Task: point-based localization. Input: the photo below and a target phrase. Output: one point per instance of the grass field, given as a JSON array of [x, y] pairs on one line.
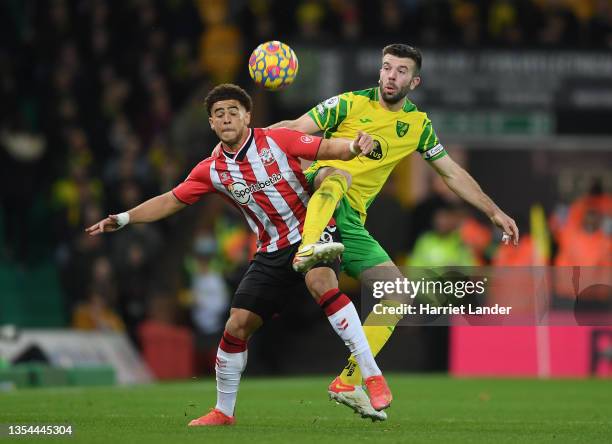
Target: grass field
[[426, 409]]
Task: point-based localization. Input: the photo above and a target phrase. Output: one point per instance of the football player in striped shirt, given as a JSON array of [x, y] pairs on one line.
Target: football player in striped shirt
[[347, 189], [258, 171]]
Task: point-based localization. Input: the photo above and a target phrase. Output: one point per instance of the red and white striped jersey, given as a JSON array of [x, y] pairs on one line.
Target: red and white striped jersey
[[263, 179]]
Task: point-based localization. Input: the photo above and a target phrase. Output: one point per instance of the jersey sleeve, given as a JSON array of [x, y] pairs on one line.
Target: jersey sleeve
[[331, 112], [295, 143], [196, 185], [429, 146]]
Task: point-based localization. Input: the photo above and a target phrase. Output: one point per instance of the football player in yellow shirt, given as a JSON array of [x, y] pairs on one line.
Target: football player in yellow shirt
[[346, 189]]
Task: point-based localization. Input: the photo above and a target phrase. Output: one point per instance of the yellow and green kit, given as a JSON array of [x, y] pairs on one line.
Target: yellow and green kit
[[396, 135]]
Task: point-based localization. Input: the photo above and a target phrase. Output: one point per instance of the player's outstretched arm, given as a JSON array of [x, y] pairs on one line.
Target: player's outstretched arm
[[304, 124], [153, 209], [345, 149], [464, 185]]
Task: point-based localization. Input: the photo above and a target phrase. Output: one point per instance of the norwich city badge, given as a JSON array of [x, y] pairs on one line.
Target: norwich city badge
[[401, 128]]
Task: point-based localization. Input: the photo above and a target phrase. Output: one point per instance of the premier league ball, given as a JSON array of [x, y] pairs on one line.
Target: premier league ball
[[273, 65]]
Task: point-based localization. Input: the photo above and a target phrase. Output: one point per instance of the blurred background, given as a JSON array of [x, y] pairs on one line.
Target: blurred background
[[101, 107]]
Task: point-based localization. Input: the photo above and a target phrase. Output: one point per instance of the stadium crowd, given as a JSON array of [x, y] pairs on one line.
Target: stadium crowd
[[102, 109]]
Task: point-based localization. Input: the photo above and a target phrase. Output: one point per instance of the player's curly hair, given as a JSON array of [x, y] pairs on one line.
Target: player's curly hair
[[405, 52], [228, 91]]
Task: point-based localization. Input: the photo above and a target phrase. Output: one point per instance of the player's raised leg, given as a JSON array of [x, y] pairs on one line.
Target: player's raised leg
[[331, 185], [230, 363], [343, 317], [378, 328]]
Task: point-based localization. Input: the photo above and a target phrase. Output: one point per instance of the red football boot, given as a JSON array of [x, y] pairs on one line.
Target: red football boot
[[213, 418], [380, 395]]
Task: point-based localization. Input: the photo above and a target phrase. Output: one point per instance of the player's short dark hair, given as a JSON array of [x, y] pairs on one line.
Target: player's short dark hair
[[405, 52], [228, 91]]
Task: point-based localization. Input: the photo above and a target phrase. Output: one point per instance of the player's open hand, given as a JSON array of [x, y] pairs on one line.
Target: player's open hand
[[111, 223], [364, 143], [508, 226]]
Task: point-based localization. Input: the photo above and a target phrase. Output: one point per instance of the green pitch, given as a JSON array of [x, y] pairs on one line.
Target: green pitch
[[293, 410]]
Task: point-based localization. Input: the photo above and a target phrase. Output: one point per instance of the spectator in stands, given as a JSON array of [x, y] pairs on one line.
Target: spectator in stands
[[477, 236], [76, 257], [584, 244], [467, 21], [71, 195], [103, 279], [21, 156], [95, 314], [311, 16], [585, 239], [443, 245], [422, 217], [220, 45], [503, 22], [210, 301]]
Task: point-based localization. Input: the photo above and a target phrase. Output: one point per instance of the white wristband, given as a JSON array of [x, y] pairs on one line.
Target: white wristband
[[123, 219], [353, 150]]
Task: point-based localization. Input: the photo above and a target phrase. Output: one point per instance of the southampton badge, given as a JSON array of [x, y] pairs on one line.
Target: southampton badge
[[401, 128], [266, 156], [225, 177]]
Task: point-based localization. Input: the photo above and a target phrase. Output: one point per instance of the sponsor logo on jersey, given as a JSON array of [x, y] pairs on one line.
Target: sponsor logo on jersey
[[376, 153], [241, 192], [266, 156], [331, 102], [365, 120], [321, 109], [433, 151], [401, 128]]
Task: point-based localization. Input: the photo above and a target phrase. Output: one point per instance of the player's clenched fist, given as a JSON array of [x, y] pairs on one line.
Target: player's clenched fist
[[363, 144]]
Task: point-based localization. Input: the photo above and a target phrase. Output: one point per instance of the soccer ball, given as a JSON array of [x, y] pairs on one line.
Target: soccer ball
[[273, 65]]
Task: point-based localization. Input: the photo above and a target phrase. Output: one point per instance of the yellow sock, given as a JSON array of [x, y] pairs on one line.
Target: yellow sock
[[321, 207], [378, 330]]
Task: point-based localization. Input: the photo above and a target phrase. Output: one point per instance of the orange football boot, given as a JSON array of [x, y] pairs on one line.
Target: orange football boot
[[213, 418], [380, 394]]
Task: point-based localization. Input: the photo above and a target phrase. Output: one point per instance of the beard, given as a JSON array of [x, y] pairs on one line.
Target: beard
[[392, 99]]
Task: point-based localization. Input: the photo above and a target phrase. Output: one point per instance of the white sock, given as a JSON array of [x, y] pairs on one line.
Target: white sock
[[345, 321], [229, 368]]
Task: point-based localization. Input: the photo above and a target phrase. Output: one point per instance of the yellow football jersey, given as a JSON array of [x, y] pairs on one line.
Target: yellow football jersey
[[396, 134]]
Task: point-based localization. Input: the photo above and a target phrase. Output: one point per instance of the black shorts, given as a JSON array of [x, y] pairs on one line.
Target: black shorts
[[270, 283]]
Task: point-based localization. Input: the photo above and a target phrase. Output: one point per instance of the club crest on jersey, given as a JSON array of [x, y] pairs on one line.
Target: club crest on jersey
[[266, 156], [401, 128], [225, 177]]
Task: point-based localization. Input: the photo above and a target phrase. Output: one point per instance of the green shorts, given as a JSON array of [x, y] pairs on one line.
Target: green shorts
[[361, 250]]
